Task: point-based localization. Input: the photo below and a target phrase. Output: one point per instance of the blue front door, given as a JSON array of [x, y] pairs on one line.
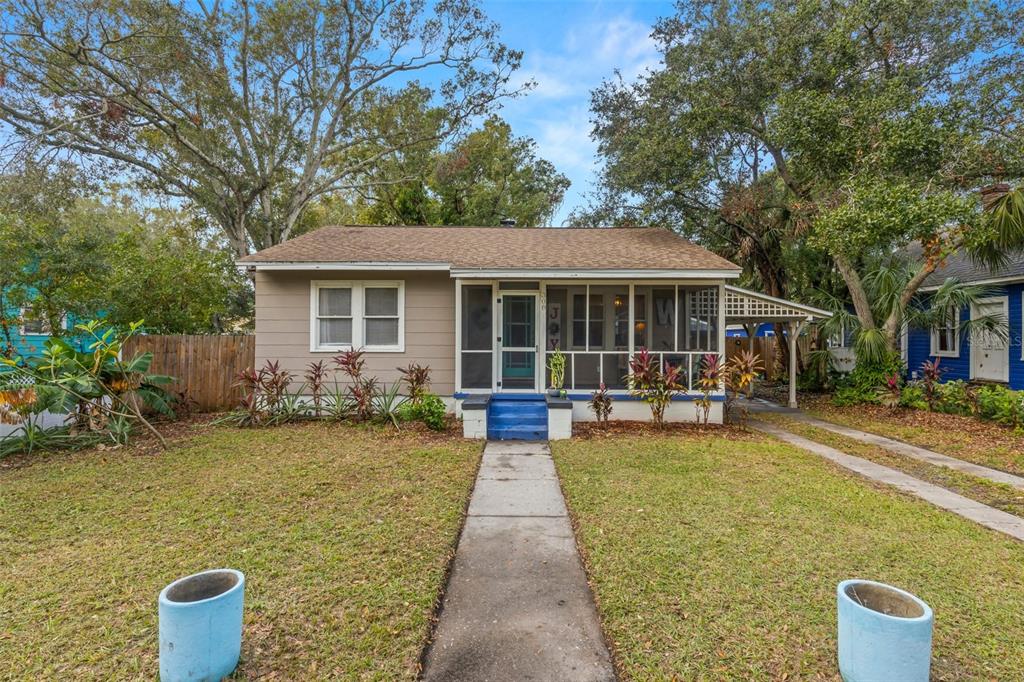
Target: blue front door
[[519, 341]]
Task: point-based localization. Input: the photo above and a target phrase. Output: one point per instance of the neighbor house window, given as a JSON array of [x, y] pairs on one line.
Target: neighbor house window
[[33, 323], [945, 335], [366, 315]]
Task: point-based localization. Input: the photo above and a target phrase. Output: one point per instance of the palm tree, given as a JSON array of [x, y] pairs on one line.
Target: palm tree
[[884, 284], [1005, 206]]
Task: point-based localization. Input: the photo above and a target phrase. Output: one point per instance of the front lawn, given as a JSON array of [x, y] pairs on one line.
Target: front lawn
[[717, 557], [967, 438], [343, 533]]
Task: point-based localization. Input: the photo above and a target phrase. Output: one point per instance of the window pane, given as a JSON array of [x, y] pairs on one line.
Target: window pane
[[381, 301], [335, 331], [476, 319], [476, 370], [335, 302], [382, 332], [597, 334]]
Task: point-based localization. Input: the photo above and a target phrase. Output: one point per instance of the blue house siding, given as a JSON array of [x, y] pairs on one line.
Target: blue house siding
[[919, 343]]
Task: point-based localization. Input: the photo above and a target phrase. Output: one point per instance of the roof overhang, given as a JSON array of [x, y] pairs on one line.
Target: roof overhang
[[744, 305], [496, 273], [1009, 279], [591, 273]]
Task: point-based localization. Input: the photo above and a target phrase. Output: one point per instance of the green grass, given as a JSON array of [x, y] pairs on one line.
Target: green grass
[[716, 558], [343, 534], [999, 495]]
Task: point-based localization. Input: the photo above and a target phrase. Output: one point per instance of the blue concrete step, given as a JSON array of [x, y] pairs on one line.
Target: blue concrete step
[[517, 417]]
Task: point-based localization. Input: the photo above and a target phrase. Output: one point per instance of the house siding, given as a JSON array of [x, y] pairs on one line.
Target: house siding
[[283, 324], [954, 368]]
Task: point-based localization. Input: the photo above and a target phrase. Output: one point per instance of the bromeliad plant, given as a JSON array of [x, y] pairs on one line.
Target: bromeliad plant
[[740, 372], [891, 392], [709, 381], [97, 388], [653, 384]]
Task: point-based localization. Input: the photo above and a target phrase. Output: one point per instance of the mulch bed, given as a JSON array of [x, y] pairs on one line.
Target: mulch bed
[[617, 428]]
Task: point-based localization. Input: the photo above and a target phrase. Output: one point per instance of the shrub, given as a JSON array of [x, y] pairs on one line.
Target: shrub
[[739, 375], [361, 390], [652, 383], [1000, 404], [709, 381], [861, 385], [931, 374], [417, 378], [99, 389], [957, 397], [316, 378], [912, 396], [430, 410], [264, 392], [889, 395], [601, 403]]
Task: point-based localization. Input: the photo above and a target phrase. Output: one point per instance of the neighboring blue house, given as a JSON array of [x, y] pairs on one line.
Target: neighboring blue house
[[984, 357], [29, 338]]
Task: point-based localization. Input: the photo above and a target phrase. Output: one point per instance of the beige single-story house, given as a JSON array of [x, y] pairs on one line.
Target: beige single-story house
[[484, 307]]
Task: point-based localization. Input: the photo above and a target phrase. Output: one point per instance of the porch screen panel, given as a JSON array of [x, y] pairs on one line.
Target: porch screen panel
[[587, 374], [614, 368], [611, 304], [654, 318], [477, 337], [698, 319]]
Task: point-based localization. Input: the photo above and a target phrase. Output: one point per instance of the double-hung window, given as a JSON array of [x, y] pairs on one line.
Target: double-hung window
[[368, 315], [946, 335]]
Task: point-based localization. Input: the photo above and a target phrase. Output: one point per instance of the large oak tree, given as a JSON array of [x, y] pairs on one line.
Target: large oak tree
[[248, 109]]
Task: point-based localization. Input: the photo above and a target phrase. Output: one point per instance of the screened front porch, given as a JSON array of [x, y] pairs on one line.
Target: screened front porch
[[506, 331]]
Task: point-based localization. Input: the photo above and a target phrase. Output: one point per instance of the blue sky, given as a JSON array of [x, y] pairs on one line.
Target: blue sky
[[570, 46]]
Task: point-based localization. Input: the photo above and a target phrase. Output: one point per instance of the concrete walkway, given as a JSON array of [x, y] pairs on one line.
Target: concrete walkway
[[958, 504], [915, 452], [518, 606]]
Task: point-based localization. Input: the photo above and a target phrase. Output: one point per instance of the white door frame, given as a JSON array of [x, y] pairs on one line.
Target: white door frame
[[539, 361], [1005, 302]]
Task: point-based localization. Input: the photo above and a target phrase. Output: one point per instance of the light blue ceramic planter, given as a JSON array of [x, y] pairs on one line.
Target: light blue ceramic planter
[[201, 626], [885, 634]]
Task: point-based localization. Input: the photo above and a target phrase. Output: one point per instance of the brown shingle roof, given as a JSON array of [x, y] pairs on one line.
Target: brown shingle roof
[[498, 248]]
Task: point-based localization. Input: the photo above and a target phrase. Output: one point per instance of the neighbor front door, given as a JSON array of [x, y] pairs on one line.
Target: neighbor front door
[[518, 342], [990, 354]]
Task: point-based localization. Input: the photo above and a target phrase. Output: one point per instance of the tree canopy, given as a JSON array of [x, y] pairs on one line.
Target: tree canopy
[[847, 130], [252, 109]]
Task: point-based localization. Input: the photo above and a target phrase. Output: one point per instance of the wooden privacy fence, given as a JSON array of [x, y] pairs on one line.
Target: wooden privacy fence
[[205, 367], [767, 348]]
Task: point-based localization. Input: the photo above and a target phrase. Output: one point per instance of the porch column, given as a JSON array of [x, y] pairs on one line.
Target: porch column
[[794, 334]]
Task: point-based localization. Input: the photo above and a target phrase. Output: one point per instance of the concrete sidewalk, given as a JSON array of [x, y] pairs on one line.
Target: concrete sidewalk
[[983, 514], [518, 606]]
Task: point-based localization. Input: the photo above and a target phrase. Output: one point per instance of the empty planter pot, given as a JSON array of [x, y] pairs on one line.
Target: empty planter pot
[[885, 634], [201, 626]]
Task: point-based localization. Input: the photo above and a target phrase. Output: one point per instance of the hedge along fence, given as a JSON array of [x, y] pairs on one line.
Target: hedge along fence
[[205, 367]]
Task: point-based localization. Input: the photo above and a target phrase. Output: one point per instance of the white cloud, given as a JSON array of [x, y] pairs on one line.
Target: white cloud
[[556, 112]]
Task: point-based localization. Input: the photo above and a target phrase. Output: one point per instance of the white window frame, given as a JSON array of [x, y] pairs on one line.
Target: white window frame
[[23, 332], [935, 331], [358, 318]]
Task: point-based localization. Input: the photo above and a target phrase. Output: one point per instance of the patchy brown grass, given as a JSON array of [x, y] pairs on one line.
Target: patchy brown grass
[[344, 534], [967, 438]]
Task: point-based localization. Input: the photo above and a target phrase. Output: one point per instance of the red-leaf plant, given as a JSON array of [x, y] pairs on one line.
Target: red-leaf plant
[[931, 374], [361, 390], [316, 377], [656, 385], [417, 378]]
